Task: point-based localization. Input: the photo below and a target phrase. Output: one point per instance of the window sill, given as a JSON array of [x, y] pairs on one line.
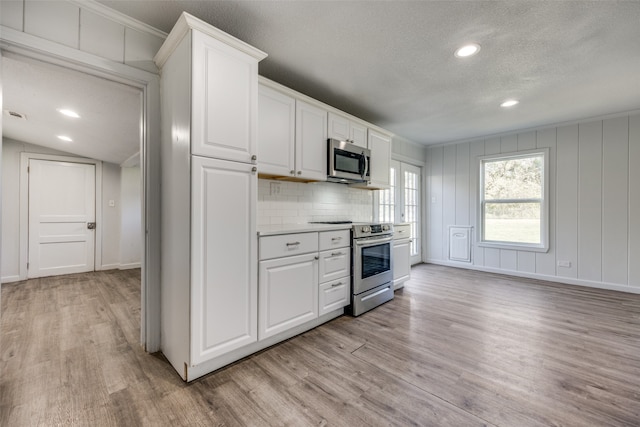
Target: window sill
[[515, 246]]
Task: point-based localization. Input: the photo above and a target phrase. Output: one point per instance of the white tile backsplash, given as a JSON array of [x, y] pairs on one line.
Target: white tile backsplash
[[281, 202]]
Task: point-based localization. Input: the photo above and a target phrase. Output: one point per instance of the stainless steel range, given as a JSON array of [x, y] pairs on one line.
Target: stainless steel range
[[371, 266]]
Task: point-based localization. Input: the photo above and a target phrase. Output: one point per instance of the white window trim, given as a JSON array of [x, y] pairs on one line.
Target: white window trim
[[543, 246]]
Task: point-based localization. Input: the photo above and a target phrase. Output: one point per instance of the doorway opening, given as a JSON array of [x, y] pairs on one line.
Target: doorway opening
[[115, 165]]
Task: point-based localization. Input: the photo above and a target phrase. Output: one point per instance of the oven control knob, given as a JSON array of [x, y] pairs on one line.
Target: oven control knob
[[365, 229]]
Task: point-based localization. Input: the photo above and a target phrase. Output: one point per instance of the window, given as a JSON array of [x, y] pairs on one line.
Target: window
[[387, 200], [513, 201]]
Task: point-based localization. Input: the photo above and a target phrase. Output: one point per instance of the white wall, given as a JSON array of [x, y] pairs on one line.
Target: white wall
[[299, 203], [111, 216], [86, 26], [594, 202], [130, 217]]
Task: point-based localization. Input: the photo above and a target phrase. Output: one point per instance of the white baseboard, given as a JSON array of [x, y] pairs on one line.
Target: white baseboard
[[108, 267], [9, 279], [564, 280], [130, 266]]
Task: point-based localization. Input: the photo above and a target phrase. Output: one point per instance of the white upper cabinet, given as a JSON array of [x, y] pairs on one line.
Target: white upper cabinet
[[344, 129], [224, 102], [380, 146], [311, 142], [276, 132]]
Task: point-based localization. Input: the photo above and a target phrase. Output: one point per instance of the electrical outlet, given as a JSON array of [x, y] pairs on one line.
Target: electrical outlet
[[566, 264]]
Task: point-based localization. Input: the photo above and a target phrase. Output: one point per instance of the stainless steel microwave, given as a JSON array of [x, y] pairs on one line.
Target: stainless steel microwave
[[348, 163]]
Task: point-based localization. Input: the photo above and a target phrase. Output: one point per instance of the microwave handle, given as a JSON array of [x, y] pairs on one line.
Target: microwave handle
[[365, 169]]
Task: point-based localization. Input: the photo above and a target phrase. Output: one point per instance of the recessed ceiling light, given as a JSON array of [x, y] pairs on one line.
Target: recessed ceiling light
[[509, 103], [467, 50], [69, 113], [65, 138]]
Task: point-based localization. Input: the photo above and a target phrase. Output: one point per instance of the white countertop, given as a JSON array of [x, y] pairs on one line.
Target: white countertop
[[275, 229]]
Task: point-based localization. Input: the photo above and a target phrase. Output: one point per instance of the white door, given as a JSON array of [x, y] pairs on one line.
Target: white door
[[61, 211], [410, 181]]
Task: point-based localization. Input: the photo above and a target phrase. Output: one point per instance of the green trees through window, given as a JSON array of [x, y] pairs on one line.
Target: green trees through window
[[513, 199]]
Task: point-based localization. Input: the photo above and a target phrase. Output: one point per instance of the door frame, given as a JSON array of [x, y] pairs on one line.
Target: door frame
[[23, 256], [149, 84]]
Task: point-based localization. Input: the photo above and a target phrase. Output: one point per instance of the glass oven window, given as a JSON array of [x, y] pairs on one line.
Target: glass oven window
[[376, 259]]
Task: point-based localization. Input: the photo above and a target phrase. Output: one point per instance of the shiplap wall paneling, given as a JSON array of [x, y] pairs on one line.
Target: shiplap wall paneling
[[546, 262], [101, 36], [11, 15], [615, 207], [527, 141], [527, 262], [509, 144], [590, 201], [492, 146], [476, 150], [462, 185], [39, 16], [492, 257], [448, 196], [634, 201], [508, 259], [567, 200], [435, 159]]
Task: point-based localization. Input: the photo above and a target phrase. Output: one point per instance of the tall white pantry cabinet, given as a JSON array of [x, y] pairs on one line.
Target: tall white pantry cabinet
[[209, 287]]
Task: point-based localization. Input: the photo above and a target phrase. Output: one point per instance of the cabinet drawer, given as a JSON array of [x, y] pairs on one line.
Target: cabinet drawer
[[334, 264], [287, 245], [402, 231], [334, 239], [334, 295]]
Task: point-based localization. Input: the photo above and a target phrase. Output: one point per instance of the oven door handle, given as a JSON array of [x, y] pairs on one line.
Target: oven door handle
[[366, 242]]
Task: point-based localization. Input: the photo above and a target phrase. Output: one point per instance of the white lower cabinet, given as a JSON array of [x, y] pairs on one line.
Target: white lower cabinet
[[297, 284], [401, 255], [288, 293], [334, 295], [335, 270]]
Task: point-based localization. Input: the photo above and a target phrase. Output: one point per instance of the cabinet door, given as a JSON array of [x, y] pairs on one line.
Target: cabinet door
[[311, 142], [288, 293], [380, 146], [401, 262], [358, 134], [338, 127], [224, 100], [334, 295], [224, 257], [276, 132]]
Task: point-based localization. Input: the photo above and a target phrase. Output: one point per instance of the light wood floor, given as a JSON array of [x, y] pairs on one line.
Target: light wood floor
[[454, 348]]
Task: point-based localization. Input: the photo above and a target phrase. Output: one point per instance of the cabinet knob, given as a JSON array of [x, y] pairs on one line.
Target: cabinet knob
[[299, 172], [292, 172], [316, 258], [254, 169], [254, 157]]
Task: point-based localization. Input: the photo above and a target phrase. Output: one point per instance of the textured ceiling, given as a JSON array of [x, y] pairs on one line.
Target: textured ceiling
[[392, 63], [110, 113]]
